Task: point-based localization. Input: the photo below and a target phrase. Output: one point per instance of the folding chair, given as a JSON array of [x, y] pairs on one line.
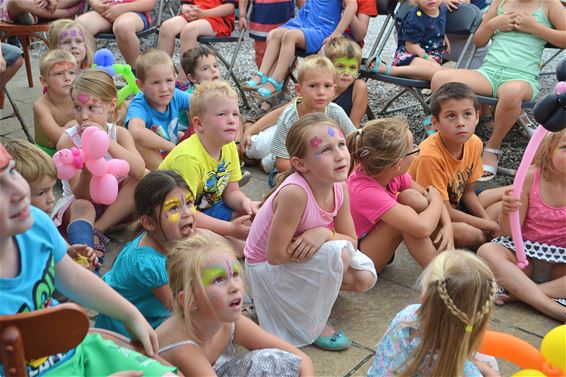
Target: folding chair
[[153, 29], [15, 112], [33, 335], [465, 20], [236, 37]]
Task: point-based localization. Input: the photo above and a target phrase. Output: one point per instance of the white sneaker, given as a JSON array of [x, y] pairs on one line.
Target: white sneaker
[[268, 163]]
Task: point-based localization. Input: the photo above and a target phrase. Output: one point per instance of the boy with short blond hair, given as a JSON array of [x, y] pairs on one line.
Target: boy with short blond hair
[[53, 111], [39, 171], [153, 113], [315, 87], [208, 161], [450, 161]]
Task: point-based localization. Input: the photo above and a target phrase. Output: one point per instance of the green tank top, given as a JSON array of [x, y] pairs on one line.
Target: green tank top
[[516, 49]]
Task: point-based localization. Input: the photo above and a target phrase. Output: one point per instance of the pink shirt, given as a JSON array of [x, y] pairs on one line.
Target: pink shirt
[[313, 216], [369, 200], [543, 223]]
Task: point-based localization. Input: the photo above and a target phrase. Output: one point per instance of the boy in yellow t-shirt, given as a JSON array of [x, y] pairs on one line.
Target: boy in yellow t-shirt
[[208, 161], [450, 160]]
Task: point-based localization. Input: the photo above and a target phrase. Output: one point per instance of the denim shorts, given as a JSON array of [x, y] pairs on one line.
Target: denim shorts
[[219, 210], [144, 19], [11, 53]]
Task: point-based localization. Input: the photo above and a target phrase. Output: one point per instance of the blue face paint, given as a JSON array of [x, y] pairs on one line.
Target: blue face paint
[[331, 131]]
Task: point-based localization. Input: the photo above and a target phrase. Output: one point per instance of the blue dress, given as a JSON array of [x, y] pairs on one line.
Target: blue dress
[[426, 31], [317, 19]]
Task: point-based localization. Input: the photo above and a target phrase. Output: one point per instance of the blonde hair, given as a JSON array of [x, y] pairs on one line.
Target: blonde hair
[[97, 83], [53, 57], [314, 63], [543, 157], [378, 145], [184, 266], [342, 47], [31, 162], [150, 59], [59, 26], [458, 290], [206, 92]]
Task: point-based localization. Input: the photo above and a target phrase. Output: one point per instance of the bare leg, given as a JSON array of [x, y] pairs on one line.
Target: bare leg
[[503, 264], [475, 80], [273, 45], [491, 200], [123, 207], [291, 40], [467, 236], [125, 28], [94, 22], [65, 9], [419, 69], [508, 109], [192, 31], [380, 244], [168, 31], [152, 157]]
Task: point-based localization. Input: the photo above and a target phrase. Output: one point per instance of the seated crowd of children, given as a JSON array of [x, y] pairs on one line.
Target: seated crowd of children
[[345, 194]]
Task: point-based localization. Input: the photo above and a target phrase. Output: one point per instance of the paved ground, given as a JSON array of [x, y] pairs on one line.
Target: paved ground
[[364, 317]]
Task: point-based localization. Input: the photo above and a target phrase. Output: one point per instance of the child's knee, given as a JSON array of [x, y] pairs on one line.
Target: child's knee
[[468, 236], [275, 34], [123, 28], [82, 208], [413, 199]]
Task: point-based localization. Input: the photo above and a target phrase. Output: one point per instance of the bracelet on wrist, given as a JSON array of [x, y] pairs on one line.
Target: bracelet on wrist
[[333, 234], [426, 56]]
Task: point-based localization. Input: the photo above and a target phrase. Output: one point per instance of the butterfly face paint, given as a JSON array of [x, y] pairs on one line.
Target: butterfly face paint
[[174, 207], [345, 65], [220, 272]]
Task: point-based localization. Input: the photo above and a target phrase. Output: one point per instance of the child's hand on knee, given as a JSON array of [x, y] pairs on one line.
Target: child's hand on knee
[[304, 246]]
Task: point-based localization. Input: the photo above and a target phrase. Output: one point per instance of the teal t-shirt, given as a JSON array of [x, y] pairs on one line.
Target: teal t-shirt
[[136, 271]]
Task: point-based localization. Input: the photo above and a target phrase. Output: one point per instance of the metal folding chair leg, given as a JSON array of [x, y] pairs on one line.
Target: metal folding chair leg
[[16, 114]]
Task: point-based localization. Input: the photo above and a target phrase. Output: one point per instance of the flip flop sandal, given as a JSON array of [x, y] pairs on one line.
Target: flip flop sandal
[[336, 342], [490, 171], [252, 85], [264, 93], [372, 65], [501, 295], [100, 247]]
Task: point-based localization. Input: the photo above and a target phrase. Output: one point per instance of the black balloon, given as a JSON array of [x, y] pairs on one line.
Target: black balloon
[[550, 111]]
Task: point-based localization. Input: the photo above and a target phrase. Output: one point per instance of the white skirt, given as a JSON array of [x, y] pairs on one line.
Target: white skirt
[[294, 300]]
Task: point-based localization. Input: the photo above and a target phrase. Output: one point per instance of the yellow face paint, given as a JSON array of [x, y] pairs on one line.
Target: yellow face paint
[[346, 65], [173, 207]]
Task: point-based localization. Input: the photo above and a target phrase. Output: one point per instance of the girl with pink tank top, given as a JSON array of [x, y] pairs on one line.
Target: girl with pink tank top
[[301, 247], [542, 209]]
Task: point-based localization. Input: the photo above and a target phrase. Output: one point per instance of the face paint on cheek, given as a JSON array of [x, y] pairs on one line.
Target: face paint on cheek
[[173, 218], [347, 65], [315, 142]]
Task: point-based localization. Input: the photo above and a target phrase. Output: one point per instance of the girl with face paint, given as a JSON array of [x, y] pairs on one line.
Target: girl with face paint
[[164, 206], [207, 285]]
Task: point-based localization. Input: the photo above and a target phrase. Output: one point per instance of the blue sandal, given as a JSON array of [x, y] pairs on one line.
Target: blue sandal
[[252, 85], [336, 342], [376, 60], [264, 93]]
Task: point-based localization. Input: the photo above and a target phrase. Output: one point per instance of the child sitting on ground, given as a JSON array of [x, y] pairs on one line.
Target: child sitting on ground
[[350, 94], [387, 206], [53, 111], [294, 273], [153, 113], [71, 36], [94, 99], [199, 64], [210, 18], [542, 210], [34, 264], [164, 206], [123, 19], [439, 336], [207, 283], [519, 32], [39, 171], [208, 161], [450, 161], [420, 44], [318, 21], [28, 11]]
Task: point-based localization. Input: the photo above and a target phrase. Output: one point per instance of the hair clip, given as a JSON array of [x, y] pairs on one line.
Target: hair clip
[[359, 131], [364, 152], [469, 328]]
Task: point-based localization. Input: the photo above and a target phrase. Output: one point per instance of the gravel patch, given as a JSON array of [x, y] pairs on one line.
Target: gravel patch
[[513, 145]]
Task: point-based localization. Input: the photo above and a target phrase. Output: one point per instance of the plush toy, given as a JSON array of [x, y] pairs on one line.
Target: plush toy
[[550, 113], [103, 184], [104, 59]]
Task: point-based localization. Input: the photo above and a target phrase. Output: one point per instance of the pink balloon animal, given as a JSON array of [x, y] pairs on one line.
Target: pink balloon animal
[[103, 184]]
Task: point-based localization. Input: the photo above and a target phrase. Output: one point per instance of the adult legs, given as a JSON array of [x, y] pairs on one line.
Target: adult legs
[[65, 8], [94, 22], [503, 264], [168, 32], [125, 28]]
